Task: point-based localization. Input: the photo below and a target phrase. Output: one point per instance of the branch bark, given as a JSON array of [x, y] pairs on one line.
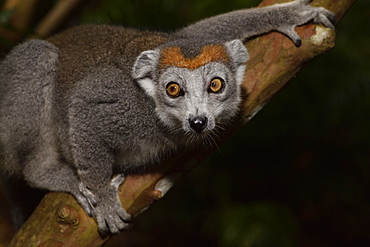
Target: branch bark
[[274, 60]]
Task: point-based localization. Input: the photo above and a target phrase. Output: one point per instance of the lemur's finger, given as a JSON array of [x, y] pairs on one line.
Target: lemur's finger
[[113, 226], [121, 225], [117, 180], [102, 224], [290, 32], [87, 194], [124, 216], [324, 20], [330, 15], [325, 17], [86, 205]]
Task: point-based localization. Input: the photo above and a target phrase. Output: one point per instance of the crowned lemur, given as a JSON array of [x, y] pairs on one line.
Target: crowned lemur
[[93, 103]]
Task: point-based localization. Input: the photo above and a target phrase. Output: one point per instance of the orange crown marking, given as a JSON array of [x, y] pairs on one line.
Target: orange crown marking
[[172, 56]]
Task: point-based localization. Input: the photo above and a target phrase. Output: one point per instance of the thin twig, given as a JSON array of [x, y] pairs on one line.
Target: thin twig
[[55, 17]]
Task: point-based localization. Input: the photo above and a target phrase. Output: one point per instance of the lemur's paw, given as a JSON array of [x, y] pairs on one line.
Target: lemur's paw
[[319, 15], [298, 13], [111, 217], [106, 207]]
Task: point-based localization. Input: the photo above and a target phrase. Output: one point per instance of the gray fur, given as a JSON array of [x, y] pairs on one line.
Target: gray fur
[[243, 24], [90, 104]]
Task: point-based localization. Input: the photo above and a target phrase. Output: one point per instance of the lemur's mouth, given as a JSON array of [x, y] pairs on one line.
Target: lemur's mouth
[[198, 124]]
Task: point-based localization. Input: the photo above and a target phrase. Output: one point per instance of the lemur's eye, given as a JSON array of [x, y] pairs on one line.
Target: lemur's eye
[[173, 89], [216, 85]]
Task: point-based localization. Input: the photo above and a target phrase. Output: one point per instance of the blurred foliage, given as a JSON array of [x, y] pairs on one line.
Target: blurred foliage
[[5, 16], [252, 224], [158, 15], [296, 175]]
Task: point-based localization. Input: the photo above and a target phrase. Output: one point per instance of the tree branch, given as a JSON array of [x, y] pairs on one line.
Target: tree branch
[[55, 17], [60, 221]]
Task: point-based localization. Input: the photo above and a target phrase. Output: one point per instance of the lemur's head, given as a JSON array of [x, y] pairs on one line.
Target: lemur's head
[[195, 89]]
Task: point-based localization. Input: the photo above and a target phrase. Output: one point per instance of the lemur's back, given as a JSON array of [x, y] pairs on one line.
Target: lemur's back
[[83, 48]]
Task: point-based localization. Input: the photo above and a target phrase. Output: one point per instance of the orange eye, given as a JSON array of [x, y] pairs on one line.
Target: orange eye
[[173, 89], [216, 85]]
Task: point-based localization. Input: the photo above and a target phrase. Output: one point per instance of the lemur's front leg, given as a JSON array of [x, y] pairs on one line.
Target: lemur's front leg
[[90, 133], [243, 24]]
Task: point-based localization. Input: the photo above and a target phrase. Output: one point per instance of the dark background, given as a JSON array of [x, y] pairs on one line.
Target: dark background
[[296, 175]]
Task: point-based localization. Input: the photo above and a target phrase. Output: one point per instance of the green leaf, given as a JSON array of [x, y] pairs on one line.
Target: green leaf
[[5, 16]]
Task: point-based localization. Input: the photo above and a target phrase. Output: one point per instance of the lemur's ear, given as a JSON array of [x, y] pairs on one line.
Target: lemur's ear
[[143, 70], [239, 56]]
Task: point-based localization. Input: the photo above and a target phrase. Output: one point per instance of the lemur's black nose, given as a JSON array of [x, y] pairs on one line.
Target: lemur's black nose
[[198, 123]]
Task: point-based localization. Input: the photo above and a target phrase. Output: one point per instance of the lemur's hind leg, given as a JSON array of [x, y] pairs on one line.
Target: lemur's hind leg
[[54, 175]]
